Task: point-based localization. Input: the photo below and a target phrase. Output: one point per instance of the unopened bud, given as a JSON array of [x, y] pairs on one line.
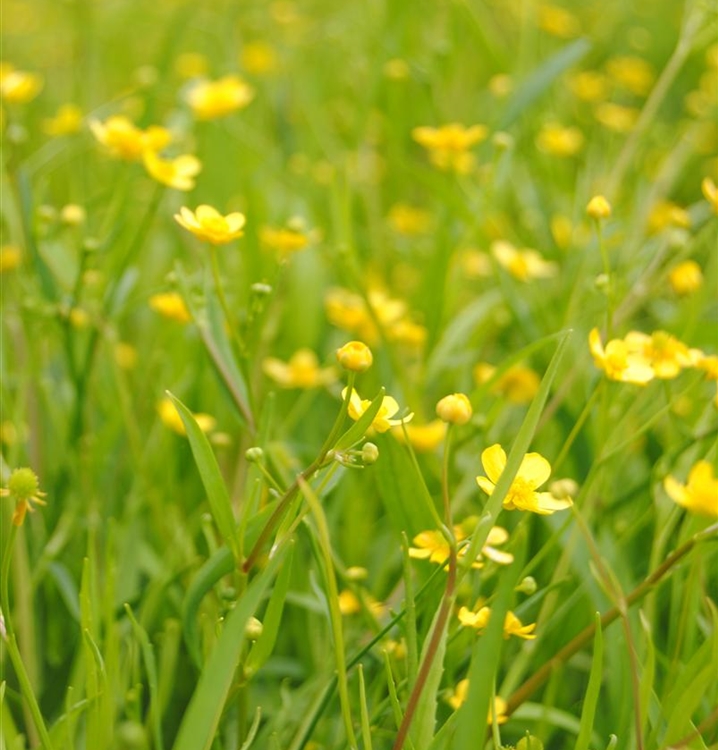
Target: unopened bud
[[527, 586], [454, 409], [369, 453], [253, 629], [598, 207], [254, 454], [355, 356]]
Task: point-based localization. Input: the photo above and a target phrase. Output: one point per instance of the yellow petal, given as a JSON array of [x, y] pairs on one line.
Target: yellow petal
[[487, 486], [547, 503], [494, 462], [675, 490], [534, 469]]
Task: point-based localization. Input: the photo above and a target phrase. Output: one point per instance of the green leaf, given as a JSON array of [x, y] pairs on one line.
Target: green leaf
[[357, 431], [211, 477], [594, 688], [365, 726], [201, 719]]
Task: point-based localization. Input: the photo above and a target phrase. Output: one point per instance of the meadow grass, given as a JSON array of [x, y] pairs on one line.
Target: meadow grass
[[302, 303]]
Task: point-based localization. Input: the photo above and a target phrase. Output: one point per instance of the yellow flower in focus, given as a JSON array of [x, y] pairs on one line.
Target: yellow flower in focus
[[710, 193], [124, 140], [665, 214], [558, 21], [598, 207], [454, 409], [512, 625], [259, 58], [556, 140], [171, 305], [383, 420], [355, 356], [619, 361], [177, 173], [18, 86], [10, 258], [631, 73], [424, 438], [616, 117], [301, 371], [283, 240], [449, 145], [700, 494], [170, 418], [432, 545], [409, 220], [208, 224], [665, 353], [686, 277], [67, 121], [461, 693], [533, 472], [212, 99], [522, 264], [24, 487], [589, 85]]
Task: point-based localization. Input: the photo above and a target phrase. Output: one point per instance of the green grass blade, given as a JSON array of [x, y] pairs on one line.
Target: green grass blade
[[365, 726], [594, 688]]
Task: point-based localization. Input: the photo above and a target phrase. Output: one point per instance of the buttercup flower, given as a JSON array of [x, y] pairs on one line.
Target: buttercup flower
[[355, 356], [284, 240], [259, 58], [212, 99], [177, 173], [432, 545], [533, 472], [710, 193], [666, 214], [124, 140], [558, 21], [208, 224], [301, 371], [383, 420], [424, 438], [619, 361], [449, 145], [700, 494], [631, 73], [67, 121], [522, 264], [598, 207], [589, 85], [171, 305], [170, 418], [409, 220], [665, 353], [686, 277], [512, 625], [461, 693], [557, 140], [454, 409], [10, 258], [18, 86], [519, 384], [24, 487], [616, 117]]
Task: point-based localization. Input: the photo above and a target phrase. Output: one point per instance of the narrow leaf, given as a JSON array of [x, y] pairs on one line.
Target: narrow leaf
[[594, 688]]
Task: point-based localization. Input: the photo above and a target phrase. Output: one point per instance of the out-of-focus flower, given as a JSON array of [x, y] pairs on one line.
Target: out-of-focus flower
[[10, 258], [710, 193], [407, 332], [475, 264], [454, 409], [191, 65], [424, 438], [18, 86], [700, 494], [664, 352], [598, 207], [73, 215], [619, 361], [589, 85], [23, 487], [397, 69], [686, 277], [212, 99], [519, 384], [170, 418], [533, 472], [449, 146], [301, 371], [78, 318], [171, 305], [522, 264], [461, 693], [665, 214], [631, 73], [125, 355], [562, 230], [432, 545], [558, 21], [383, 420], [512, 625], [67, 121], [616, 117], [124, 140], [557, 140], [501, 85], [284, 240], [355, 356], [349, 603], [208, 224], [409, 220], [177, 173], [259, 58]]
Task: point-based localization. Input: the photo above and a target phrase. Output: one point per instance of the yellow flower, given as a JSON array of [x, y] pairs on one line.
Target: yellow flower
[[522, 495], [519, 384], [424, 438], [383, 420], [73, 215], [177, 173], [561, 230], [666, 214], [686, 277], [556, 140], [284, 240], [461, 693], [522, 264], [171, 305], [10, 258], [18, 86], [618, 361], [208, 224], [125, 355], [124, 140], [67, 121], [301, 371], [407, 332], [558, 21], [212, 99], [409, 220], [616, 117], [710, 193], [631, 73], [24, 487], [512, 625], [191, 65], [709, 364], [449, 145], [475, 264], [259, 58], [665, 353], [700, 494], [589, 85], [454, 409], [598, 207], [355, 356], [433, 546], [170, 418], [349, 603], [501, 85]]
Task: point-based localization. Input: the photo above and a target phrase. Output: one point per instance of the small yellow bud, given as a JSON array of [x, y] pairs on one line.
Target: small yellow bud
[[527, 586], [686, 277], [454, 409], [253, 629], [369, 453], [598, 208], [73, 215], [355, 356]]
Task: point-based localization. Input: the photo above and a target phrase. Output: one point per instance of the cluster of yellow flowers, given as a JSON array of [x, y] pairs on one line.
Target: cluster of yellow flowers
[[433, 546], [512, 625], [449, 146]]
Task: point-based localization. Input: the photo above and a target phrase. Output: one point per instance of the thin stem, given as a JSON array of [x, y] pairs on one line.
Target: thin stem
[[219, 288]]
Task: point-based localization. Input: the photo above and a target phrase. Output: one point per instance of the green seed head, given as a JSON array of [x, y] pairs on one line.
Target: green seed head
[[23, 484]]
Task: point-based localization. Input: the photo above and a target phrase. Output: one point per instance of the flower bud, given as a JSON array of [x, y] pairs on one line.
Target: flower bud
[[454, 409], [355, 356], [598, 208], [369, 453], [527, 586], [254, 454], [253, 629]]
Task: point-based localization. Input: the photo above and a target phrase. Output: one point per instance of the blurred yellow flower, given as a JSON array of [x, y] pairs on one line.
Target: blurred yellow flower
[[349, 603], [619, 361], [10, 258], [598, 207], [171, 305], [125, 355], [284, 240], [522, 264], [409, 220], [67, 121], [18, 86], [519, 384], [533, 472], [259, 58], [512, 625], [212, 99], [665, 214], [170, 418], [383, 420], [432, 545], [700, 494], [424, 438], [475, 264], [23, 487], [73, 215], [501, 85], [301, 371], [556, 140], [124, 140], [558, 21], [631, 73], [449, 145], [397, 69], [208, 224], [191, 65], [589, 85], [177, 173], [355, 356], [461, 693], [710, 193], [686, 277], [664, 352], [616, 117]]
